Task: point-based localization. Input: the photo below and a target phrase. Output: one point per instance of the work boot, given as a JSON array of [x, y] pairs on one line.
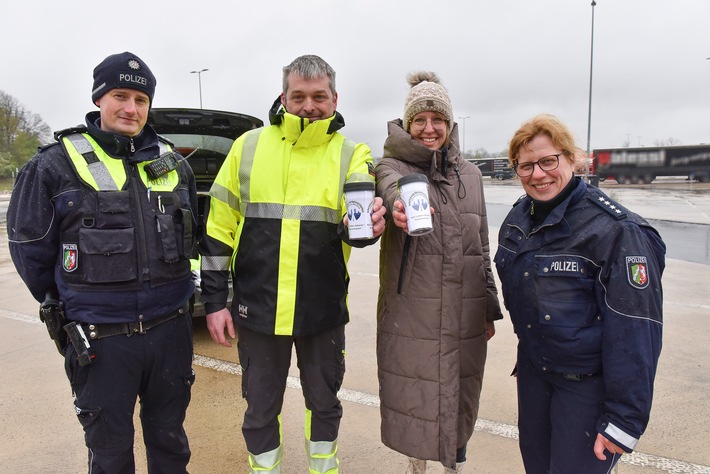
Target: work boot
[[416, 466], [459, 468]]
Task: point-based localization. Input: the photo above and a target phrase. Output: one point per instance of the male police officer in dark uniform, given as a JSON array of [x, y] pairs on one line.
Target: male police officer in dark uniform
[[103, 223]]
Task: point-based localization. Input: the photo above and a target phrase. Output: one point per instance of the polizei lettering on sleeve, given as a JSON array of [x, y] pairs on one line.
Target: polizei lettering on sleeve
[[122, 77]]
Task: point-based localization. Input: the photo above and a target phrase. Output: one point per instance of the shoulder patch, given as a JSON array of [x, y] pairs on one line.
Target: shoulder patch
[[637, 271], [608, 205], [371, 169]]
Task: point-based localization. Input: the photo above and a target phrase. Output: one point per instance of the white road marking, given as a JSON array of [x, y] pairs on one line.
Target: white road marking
[[495, 428]]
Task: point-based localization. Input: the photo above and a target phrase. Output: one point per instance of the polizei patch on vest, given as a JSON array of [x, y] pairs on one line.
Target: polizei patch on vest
[[70, 257], [637, 270]]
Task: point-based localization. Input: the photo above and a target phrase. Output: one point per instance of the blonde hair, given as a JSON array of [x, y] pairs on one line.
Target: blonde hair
[[555, 130]]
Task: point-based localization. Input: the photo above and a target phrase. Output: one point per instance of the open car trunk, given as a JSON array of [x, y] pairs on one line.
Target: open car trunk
[[204, 137]]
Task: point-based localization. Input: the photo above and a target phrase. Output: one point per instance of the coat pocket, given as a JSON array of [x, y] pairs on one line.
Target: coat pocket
[[114, 209], [107, 256], [168, 241]]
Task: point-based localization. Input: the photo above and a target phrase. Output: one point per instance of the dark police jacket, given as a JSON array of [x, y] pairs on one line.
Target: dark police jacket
[[114, 255], [584, 295]]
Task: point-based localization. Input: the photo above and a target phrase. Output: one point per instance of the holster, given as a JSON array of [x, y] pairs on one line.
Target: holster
[[52, 315]]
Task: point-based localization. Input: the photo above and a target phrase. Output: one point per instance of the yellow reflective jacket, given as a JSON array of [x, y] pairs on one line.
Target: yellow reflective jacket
[[274, 220]]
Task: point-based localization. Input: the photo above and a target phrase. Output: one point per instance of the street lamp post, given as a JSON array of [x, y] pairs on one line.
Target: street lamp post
[[199, 81], [463, 136], [589, 113]]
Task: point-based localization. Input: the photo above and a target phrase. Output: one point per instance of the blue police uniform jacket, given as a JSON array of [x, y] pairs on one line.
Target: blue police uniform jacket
[[112, 256], [584, 294]]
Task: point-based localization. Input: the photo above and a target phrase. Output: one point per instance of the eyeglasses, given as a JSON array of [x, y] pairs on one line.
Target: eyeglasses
[[546, 163], [437, 123]]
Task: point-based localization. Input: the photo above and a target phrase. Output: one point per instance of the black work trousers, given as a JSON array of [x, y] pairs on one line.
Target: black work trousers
[[156, 369], [265, 361]]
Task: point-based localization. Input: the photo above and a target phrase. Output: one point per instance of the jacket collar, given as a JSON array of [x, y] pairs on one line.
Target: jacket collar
[[119, 146], [520, 216], [301, 132]]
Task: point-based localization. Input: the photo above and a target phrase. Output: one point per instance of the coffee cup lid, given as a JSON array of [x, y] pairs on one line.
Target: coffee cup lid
[[412, 178], [359, 186]]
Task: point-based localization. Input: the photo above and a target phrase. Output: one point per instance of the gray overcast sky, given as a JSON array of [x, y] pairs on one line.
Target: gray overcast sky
[[501, 60]]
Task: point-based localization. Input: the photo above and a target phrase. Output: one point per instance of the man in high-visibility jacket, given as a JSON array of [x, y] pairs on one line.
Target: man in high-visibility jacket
[[276, 219]]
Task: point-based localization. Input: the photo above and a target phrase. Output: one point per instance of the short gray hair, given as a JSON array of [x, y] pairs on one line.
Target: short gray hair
[[309, 66]]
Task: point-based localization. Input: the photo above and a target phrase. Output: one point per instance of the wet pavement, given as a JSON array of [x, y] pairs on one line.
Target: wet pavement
[[679, 210], [41, 433]]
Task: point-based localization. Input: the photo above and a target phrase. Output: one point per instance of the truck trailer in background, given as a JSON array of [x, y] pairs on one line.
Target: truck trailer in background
[[494, 167], [644, 164]]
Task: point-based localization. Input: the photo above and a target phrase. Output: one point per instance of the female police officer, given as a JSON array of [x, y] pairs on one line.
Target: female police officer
[[581, 278]]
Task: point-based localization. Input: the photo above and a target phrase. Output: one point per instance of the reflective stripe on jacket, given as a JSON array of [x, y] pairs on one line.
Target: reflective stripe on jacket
[[104, 173], [275, 210]]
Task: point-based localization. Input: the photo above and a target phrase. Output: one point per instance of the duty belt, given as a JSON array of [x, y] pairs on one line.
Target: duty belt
[[99, 331]]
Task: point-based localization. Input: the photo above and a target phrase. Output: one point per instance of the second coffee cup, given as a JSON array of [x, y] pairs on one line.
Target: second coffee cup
[[413, 190]]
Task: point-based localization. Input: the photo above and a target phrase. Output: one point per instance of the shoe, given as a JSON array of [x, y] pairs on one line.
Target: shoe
[[416, 466]]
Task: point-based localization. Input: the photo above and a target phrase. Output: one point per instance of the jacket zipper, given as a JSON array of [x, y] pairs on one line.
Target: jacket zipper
[[534, 231]]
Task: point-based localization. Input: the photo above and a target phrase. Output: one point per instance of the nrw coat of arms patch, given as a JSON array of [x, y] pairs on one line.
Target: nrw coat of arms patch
[[637, 270], [70, 257]]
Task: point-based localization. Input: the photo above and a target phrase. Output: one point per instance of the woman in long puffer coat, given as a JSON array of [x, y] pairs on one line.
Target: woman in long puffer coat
[[437, 299]]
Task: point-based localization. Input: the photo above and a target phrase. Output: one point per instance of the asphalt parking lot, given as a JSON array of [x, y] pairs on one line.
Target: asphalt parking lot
[[41, 433]]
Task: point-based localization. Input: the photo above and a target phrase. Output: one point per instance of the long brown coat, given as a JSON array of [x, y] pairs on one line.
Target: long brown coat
[[436, 294]]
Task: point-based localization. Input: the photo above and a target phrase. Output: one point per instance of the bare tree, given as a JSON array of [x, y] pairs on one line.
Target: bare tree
[[670, 141]]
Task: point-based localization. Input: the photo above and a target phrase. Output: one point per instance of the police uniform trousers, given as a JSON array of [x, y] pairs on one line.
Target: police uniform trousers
[[154, 367], [265, 360], [557, 421]]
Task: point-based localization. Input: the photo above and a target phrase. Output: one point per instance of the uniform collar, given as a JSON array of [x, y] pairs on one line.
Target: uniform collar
[[541, 209], [119, 146], [520, 216]]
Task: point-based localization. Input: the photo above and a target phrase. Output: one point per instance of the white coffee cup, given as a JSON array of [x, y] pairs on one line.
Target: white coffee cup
[[413, 190], [358, 200]]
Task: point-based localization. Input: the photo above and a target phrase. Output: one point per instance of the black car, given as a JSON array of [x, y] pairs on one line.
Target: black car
[[504, 174], [204, 137]]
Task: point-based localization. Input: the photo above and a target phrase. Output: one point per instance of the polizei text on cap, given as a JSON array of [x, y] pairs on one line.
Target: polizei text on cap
[[133, 78]]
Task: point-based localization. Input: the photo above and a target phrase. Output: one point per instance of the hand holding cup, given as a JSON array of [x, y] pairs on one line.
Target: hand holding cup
[[414, 196]]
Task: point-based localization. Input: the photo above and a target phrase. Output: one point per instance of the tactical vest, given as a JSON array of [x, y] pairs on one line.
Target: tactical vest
[[127, 229]]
